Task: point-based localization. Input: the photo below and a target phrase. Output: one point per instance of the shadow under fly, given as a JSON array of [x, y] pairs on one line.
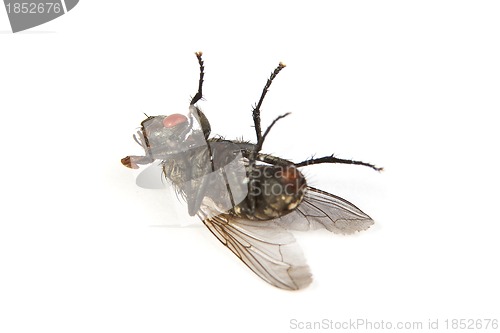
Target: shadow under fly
[[248, 199]]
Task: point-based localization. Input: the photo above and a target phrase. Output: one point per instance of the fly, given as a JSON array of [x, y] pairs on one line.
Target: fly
[[249, 200]]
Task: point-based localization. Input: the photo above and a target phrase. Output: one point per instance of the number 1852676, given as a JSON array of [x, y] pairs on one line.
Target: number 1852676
[[33, 8]]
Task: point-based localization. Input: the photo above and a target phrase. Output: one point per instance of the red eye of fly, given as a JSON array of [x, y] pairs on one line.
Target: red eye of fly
[[174, 120]]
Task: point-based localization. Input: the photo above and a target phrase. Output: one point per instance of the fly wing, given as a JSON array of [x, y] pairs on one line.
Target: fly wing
[[320, 209], [265, 247]]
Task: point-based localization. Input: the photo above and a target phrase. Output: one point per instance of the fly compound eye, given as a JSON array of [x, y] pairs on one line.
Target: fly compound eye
[[174, 120]]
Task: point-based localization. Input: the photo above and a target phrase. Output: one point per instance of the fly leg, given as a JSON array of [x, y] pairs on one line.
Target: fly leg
[[205, 124], [256, 109], [199, 94], [274, 160], [253, 174], [133, 162], [332, 159], [253, 186]]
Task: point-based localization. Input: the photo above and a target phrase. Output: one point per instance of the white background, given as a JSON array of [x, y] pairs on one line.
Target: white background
[[411, 86]]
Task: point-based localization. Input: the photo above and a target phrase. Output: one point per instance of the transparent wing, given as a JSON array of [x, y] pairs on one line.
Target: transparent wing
[[320, 209], [265, 247]]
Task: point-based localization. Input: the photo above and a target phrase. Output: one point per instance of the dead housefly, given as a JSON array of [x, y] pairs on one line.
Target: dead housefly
[[249, 200]]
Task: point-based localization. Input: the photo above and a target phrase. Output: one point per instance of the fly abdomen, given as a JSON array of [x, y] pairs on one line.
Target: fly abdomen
[[277, 190]]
